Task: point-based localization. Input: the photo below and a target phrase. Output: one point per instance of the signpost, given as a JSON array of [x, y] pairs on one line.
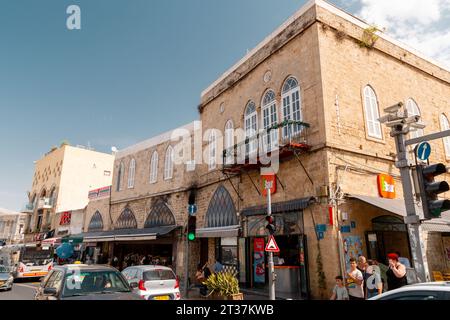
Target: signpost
[[270, 262]]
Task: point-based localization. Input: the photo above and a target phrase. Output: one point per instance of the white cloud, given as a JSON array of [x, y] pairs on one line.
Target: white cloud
[[423, 25]]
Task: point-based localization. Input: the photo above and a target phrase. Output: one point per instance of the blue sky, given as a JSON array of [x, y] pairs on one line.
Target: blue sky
[[135, 69]]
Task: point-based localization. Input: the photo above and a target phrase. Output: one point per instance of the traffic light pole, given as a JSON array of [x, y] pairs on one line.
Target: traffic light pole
[[412, 219], [271, 265], [186, 265]]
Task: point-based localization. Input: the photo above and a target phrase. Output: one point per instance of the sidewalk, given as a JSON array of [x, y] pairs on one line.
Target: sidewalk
[[252, 294]]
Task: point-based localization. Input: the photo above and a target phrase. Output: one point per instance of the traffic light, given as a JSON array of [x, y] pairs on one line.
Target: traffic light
[[192, 223], [270, 224], [429, 190]]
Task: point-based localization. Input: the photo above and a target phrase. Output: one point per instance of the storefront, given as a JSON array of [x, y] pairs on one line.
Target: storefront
[[291, 263]]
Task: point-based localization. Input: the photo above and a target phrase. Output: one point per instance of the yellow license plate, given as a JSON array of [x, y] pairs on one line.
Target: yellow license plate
[[2, 283], [162, 298]]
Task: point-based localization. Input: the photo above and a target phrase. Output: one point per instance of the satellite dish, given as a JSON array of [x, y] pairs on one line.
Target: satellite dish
[[114, 149]]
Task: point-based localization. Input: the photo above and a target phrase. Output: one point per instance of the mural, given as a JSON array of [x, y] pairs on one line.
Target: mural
[[352, 249]]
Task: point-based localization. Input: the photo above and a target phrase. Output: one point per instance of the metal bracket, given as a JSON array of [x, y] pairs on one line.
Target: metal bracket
[[256, 187], [412, 219], [234, 188]]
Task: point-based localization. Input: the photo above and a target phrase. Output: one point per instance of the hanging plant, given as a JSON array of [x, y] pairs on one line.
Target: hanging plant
[[369, 37], [321, 278]]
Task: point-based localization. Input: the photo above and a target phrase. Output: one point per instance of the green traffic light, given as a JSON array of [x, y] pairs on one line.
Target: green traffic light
[[191, 237]]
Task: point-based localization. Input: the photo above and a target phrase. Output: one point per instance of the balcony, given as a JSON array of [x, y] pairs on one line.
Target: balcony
[[28, 208], [287, 139], [45, 203]]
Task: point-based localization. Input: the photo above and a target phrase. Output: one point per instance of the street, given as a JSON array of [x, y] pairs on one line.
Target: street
[[23, 290]]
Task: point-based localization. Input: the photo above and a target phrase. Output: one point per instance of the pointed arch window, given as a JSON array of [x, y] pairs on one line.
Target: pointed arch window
[[154, 167], [168, 165], [445, 125], [126, 220], [413, 110], [229, 141], [251, 128], [269, 119], [291, 107], [96, 223], [120, 176], [131, 173], [221, 210], [160, 215], [372, 113]]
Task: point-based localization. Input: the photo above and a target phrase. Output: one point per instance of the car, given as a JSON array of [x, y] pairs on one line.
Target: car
[[418, 291], [84, 282], [153, 282], [6, 278]]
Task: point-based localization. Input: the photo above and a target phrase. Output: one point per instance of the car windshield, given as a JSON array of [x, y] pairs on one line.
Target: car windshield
[[3, 269], [158, 275], [80, 283]]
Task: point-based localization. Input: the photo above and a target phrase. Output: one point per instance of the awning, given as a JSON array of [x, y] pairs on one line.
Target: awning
[[75, 239], [280, 207], [218, 232], [51, 241], [127, 234]]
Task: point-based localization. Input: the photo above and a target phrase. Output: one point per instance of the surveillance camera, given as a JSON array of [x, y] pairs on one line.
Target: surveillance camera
[[395, 123], [385, 118], [411, 120], [418, 125], [394, 108]]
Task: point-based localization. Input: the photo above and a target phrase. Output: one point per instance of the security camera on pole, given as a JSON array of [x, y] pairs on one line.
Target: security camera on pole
[[401, 124]]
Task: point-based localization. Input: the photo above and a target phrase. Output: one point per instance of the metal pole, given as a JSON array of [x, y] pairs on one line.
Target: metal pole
[[186, 266], [412, 219], [271, 266]]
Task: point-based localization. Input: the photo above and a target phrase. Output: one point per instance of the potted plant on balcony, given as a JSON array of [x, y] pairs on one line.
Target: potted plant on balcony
[[223, 286]]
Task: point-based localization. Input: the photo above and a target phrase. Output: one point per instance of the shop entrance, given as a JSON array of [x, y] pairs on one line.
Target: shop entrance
[[133, 253], [389, 235]]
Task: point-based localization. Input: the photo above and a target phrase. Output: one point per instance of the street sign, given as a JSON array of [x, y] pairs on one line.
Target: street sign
[[423, 151], [272, 245], [192, 209]]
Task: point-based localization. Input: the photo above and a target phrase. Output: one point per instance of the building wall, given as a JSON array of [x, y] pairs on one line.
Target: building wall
[[434, 243], [101, 205]]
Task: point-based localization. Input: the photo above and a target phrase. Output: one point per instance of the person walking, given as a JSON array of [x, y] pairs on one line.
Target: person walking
[[339, 290], [355, 282], [374, 284], [362, 266], [396, 274], [218, 266]]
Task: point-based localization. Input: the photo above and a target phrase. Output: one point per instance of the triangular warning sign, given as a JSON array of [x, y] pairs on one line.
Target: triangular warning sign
[[272, 245]]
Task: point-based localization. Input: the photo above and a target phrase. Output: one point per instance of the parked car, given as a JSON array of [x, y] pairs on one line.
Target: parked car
[[6, 278], [418, 291], [84, 282], [153, 282]]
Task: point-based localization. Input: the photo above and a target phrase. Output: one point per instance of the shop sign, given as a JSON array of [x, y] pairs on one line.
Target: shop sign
[[258, 261], [65, 218], [346, 229], [386, 186], [269, 181]]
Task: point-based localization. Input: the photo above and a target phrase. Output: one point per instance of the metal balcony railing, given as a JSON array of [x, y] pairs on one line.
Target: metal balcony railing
[[289, 134]]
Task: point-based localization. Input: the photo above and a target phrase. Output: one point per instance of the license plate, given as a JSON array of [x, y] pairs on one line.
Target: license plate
[[2, 283], [161, 298]]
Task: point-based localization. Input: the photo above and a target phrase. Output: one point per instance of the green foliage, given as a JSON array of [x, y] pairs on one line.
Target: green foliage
[[369, 37], [65, 143], [222, 283], [321, 279]]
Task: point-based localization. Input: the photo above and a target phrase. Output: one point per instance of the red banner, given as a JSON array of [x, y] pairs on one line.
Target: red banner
[[65, 218]]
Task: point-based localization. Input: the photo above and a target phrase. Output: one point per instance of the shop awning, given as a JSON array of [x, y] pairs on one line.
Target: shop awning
[[280, 207], [75, 239], [219, 232], [127, 234]]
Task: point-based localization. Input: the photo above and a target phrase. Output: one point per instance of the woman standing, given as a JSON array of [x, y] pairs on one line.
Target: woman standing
[[396, 274]]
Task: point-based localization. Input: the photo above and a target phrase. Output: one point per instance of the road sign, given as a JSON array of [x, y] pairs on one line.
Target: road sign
[[423, 151], [272, 245], [192, 209]]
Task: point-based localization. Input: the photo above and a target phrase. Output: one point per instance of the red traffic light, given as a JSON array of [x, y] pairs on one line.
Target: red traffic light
[[269, 219]]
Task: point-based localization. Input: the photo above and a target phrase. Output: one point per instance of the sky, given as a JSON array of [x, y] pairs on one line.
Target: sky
[[137, 68]]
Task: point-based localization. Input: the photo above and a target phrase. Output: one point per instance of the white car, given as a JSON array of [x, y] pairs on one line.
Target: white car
[[153, 282], [418, 291], [6, 278]]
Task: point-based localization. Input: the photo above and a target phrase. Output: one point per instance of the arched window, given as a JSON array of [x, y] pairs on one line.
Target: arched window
[[372, 113], [269, 119], [291, 107], [251, 128], [131, 173], [229, 141], [413, 110], [221, 210], [154, 167], [96, 223], [168, 165], [120, 176], [445, 125], [53, 196], [212, 148], [126, 220], [160, 215]]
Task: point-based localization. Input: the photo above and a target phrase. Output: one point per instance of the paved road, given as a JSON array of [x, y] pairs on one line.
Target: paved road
[[20, 291]]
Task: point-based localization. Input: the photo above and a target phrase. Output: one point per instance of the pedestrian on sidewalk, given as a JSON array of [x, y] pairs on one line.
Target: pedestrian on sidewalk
[[396, 274], [355, 282], [362, 266], [218, 266], [374, 284], [339, 290]]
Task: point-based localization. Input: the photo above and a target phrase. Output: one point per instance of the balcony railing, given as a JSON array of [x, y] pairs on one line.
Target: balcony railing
[[45, 203], [283, 137]]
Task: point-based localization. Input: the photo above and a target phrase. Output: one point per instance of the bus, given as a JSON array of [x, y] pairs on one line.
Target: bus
[[34, 262]]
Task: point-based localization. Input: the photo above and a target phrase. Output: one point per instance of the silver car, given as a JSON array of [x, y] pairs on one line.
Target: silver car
[[6, 278], [418, 291], [153, 282]]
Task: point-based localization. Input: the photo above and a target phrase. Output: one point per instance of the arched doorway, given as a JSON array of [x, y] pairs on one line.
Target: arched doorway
[[389, 234]]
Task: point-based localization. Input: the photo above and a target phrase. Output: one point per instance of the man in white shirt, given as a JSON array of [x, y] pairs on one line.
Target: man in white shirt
[[355, 282]]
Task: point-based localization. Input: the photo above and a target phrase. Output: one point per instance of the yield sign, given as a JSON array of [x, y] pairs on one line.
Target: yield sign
[[272, 245]]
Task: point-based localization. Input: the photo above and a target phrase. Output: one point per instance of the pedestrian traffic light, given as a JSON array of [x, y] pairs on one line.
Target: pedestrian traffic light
[[429, 190], [192, 223], [270, 224]]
